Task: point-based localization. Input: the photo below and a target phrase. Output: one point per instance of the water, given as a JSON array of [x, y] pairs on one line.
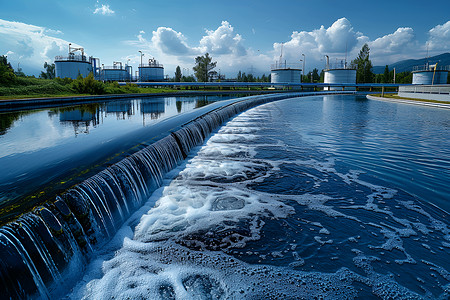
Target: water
[[46, 248], [88, 124], [49, 150], [320, 197]]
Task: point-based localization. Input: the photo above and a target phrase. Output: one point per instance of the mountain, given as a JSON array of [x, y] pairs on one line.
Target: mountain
[[407, 65]]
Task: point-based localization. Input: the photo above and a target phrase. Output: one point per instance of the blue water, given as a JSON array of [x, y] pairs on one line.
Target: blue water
[[333, 197], [49, 150]]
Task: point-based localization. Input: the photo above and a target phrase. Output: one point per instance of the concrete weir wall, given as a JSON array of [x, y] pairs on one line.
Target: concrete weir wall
[[439, 92]]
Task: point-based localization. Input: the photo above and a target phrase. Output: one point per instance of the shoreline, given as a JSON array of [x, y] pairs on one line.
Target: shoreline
[[407, 101], [8, 105]]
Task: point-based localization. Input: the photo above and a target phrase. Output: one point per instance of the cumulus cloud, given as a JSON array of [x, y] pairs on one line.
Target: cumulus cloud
[[395, 42], [30, 45], [341, 40], [104, 10], [335, 40], [439, 37], [224, 44], [223, 40], [170, 41]]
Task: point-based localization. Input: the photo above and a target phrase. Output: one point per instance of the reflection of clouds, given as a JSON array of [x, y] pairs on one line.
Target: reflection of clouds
[[91, 124], [33, 133]]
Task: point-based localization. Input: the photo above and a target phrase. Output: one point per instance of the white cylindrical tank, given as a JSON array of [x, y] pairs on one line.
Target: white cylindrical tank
[[72, 66], [339, 76], [153, 71], [286, 76], [426, 77]]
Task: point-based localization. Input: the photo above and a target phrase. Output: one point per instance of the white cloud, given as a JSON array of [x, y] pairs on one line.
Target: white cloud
[[396, 42], [30, 45], [171, 42], [334, 41], [223, 40], [439, 38], [225, 46], [104, 10]]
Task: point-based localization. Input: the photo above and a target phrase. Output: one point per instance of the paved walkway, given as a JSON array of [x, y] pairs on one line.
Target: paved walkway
[[406, 101]]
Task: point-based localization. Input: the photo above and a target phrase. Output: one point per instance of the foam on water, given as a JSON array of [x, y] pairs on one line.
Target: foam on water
[[224, 228]]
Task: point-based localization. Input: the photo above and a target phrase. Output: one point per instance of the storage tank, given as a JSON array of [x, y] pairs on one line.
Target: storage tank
[[72, 65], [430, 74], [153, 71], [339, 73], [285, 73], [115, 72]]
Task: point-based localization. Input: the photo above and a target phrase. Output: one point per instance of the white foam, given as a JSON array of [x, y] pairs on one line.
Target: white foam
[[208, 206]]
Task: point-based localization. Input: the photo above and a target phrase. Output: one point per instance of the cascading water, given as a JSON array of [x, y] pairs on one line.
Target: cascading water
[[48, 246]]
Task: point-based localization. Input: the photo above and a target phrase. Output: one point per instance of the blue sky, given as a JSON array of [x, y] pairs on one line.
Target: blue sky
[[239, 35]]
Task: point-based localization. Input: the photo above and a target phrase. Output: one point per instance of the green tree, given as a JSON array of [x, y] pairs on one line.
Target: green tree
[[7, 75], [178, 74], [239, 76], [363, 66], [204, 68], [88, 85], [263, 78], [386, 75], [49, 71], [315, 75], [189, 78]]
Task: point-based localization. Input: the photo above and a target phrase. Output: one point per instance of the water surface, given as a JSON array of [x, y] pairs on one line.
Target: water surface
[[319, 197]]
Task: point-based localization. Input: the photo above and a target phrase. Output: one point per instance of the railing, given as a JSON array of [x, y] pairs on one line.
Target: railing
[[72, 58], [426, 89], [428, 67], [340, 65], [151, 65], [285, 66], [114, 68]]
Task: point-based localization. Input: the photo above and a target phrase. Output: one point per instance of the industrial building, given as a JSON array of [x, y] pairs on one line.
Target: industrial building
[[77, 63], [285, 73], [72, 65], [153, 71], [430, 74], [116, 72], [338, 73]]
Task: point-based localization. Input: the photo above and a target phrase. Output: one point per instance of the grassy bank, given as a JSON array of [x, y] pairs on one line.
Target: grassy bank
[[30, 87]]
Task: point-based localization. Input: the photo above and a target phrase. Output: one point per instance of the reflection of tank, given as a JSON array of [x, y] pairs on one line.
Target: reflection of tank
[[153, 71], [430, 74], [339, 73], [76, 115], [73, 65], [80, 119], [152, 106], [119, 107]]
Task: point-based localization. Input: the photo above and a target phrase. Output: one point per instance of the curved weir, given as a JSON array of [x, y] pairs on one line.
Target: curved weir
[[44, 250]]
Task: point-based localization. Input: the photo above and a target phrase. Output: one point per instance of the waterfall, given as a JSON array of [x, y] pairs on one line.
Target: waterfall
[[44, 249]]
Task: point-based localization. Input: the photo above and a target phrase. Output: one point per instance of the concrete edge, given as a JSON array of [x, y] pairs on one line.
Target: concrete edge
[[7, 105], [405, 101]]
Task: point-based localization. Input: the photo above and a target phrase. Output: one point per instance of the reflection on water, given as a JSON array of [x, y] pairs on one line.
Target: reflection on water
[[27, 131]]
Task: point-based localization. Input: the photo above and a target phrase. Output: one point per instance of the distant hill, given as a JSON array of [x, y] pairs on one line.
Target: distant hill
[[407, 65]]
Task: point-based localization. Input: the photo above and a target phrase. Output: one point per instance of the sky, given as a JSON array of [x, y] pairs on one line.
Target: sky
[[241, 35]]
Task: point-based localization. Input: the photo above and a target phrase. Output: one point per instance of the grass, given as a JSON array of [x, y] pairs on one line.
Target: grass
[[30, 87], [394, 96]]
